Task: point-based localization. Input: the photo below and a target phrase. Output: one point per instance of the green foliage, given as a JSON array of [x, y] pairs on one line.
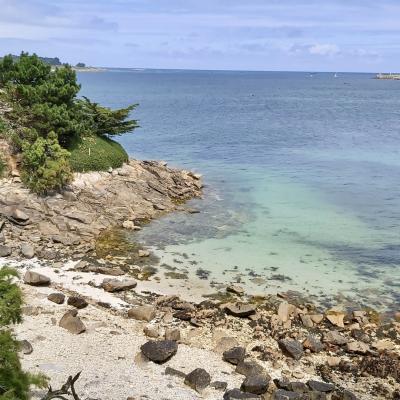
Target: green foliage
[[14, 382], [46, 111], [97, 153], [45, 165], [105, 121], [10, 298], [2, 167]]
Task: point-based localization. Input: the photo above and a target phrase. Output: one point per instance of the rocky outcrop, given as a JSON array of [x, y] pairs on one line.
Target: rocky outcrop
[[67, 223]]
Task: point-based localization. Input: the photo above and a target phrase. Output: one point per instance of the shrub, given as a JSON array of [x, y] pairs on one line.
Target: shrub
[[2, 167], [45, 165], [96, 153], [14, 382]]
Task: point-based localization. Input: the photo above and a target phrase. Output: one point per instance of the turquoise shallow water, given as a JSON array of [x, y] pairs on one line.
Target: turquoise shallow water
[[302, 175]]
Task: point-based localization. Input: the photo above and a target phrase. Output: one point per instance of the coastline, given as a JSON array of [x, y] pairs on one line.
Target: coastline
[[337, 346]]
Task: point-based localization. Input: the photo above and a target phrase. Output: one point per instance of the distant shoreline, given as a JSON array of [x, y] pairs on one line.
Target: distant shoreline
[[395, 77]]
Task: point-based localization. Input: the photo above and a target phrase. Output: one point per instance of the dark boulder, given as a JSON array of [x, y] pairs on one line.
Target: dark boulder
[[198, 379], [234, 355], [159, 351], [77, 302], [256, 384], [291, 348]]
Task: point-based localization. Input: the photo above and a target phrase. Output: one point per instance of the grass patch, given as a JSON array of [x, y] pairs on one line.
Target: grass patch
[[96, 153]]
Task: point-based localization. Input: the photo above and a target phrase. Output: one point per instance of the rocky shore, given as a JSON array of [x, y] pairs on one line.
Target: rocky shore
[[90, 307]]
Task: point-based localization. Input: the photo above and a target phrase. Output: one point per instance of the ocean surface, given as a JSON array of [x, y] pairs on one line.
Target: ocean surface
[[302, 175]]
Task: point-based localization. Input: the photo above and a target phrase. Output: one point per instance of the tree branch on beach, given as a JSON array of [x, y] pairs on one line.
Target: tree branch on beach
[[67, 389]]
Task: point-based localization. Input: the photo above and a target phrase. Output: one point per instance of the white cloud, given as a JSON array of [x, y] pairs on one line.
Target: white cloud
[[324, 49]]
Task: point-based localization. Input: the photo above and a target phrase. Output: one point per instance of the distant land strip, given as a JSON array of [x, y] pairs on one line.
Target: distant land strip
[[388, 76]]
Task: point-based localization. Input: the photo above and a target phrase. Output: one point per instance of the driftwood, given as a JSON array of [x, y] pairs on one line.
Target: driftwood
[[66, 390]]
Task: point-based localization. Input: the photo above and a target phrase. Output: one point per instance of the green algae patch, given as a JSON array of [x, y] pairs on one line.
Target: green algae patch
[[115, 245], [176, 275]]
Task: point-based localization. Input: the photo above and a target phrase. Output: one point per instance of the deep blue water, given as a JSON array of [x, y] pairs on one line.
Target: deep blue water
[[302, 172]]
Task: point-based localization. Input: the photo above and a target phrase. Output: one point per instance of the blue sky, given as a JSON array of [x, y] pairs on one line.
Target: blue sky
[[307, 35]]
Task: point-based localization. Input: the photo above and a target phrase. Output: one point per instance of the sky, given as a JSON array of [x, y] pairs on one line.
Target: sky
[[288, 35]]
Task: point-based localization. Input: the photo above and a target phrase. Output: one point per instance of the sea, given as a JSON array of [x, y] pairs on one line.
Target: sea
[[301, 174]]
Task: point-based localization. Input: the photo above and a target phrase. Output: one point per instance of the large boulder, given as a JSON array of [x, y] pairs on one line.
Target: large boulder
[[159, 351], [142, 313], [198, 379], [35, 279], [72, 323], [115, 285]]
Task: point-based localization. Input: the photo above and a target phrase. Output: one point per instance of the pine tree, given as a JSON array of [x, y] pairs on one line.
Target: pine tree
[[14, 382]]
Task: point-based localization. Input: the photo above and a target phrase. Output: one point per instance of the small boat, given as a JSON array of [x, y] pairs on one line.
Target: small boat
[[336, 75]]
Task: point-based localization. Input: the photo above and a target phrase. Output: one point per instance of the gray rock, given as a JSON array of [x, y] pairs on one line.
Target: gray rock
[[57, 298], [249, 368], [25, 347], [142, 313], [235, 289], [115, 285], [241, 310], [151, 331], [77, 302], [35, 279], [234, 355], [313, 344], [5, 251], [172, 334], [174, 372], [291, 348], [27, 250], [72, 323], [236, 394], [334, 337], [282, 394], [318, 386], [159, 351], [357, 347], [198, 379], [256, 384], [219, 385]]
